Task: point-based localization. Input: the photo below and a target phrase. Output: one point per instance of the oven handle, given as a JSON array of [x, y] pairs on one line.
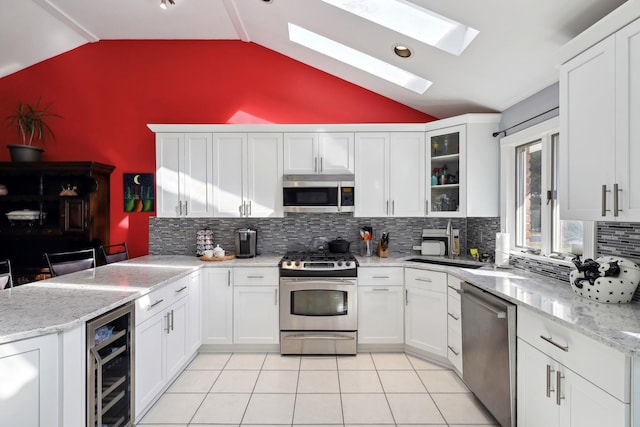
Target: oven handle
[[319, 337], [291, 280]]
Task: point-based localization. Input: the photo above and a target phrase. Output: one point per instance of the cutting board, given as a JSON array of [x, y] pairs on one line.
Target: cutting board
[[433, 247], [224, 258]]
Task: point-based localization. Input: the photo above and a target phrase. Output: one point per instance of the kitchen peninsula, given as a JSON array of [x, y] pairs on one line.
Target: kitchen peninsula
[[57, 309]]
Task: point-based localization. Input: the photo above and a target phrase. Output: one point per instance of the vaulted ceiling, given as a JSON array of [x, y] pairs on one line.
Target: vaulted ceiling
[[513, 56]]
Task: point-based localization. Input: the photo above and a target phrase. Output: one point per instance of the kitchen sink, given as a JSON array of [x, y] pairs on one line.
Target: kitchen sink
[[461, 264]]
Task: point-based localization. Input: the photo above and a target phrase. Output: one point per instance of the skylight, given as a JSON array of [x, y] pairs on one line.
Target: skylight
[[413, 21], [358, 59]]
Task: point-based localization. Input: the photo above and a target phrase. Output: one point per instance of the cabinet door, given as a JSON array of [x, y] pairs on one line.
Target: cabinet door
[[628, 125], [336, 153], [301, 153], [264, 175], [445, 171], [256, 315], [169, 173], [194, 328], [197, 194], [372, 191], [149, 360], [536, 388], [426, 320], [588, 132], [29, 382], [585, 405], [406, 174], [176, 348], [74, 215], [228, 174], [217, 306], [380, 314]]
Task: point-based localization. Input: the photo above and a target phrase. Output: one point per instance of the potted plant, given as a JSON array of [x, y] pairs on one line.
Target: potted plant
[[30, 120]]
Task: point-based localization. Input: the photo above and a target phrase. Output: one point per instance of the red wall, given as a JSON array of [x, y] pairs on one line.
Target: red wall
[[106, 93]]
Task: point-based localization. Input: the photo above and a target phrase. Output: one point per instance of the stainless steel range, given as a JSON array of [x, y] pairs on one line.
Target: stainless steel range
[[318, 303]]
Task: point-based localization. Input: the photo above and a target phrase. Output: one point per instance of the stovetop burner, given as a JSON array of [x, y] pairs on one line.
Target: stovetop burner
[[318, 264]]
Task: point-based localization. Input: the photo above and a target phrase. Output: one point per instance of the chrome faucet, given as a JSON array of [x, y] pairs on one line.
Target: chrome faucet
[[449, 233]]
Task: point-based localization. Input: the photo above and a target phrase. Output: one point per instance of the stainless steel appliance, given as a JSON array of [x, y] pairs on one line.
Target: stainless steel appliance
[[318, 193], [318, 303], [489, 351], [437, 242], [246, 241], [110, 368]]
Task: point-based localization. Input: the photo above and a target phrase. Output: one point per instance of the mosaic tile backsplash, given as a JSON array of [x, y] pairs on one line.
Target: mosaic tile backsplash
[[177, 236]]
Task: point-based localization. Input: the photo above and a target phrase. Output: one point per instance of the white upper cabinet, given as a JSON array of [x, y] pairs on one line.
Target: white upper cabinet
[[599, 130], [247, 177], [390, 174], [184, 175], [309, 153], [464, 156]]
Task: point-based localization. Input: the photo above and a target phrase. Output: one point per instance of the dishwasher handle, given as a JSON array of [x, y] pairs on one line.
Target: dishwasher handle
[[500, 314]]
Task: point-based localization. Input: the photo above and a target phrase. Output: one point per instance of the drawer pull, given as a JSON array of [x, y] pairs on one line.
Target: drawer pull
[[154, 304], [181, 289], [559, 397], [380, 277], [380, 289], [551, 341], [455, 289], [422, 279], [549, 371], [453, 351], [255, 277], [453, 316]]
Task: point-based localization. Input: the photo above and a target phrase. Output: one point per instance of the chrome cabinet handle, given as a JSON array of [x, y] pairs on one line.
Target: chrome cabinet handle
[[228, 277], [422, 279], [276, 300], [154, 304], [393, 207], [453, 350], [616, 190], [387, 207], [455, 289], [426, 207], [453, 316], [321, 166], [315, 165], [181, 289], [406, 297], [255, 277], [380, 289], [604, 200], [550, 340], [249, 214], [186, 211], [240, 209], [172, 319], [559, 397], [549, 371], [380, 277], [168, 326]]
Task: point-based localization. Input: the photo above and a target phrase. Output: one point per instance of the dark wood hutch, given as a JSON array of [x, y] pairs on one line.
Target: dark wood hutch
[[58, 222]]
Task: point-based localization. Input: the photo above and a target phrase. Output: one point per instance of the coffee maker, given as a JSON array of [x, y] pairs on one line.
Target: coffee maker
[[246, 241]]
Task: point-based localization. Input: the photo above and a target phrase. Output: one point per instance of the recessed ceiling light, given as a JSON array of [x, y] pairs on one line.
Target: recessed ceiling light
[[402, 51], [358, 59], [413, 21]]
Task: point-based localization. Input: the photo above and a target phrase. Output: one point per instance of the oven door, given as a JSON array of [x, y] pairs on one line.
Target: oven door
[[318, 304]]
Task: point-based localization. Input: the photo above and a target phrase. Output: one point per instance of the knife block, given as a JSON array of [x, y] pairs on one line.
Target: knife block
[[382, 253]]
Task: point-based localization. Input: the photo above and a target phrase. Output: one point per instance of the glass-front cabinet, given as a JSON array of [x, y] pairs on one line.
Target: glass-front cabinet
[[446, 170]]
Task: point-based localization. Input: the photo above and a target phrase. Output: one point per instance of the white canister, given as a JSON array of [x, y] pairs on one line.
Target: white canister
[[502, 249]]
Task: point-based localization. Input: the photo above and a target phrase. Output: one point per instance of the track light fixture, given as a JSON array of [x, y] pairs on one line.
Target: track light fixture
[[163, 3]]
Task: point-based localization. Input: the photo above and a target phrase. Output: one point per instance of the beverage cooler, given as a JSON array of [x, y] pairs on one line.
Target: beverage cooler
[[110, 364]]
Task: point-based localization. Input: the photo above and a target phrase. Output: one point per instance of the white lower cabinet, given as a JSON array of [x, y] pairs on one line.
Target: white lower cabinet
[[550, 394], [256, 308], [161, 341], [426, 310], [194, 313], [380, 305], [565, 378], [217, 306], [29, 392]]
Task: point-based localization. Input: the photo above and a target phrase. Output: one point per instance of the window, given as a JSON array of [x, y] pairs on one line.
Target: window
[[531, 208]]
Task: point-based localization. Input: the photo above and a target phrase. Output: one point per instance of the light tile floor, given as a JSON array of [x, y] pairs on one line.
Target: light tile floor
[[273, 390]]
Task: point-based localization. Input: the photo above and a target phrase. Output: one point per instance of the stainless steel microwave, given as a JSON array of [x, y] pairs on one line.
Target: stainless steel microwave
[[318, 193]]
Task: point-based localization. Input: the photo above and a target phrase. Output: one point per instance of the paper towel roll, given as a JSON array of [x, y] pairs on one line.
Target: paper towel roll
[[502, 249]]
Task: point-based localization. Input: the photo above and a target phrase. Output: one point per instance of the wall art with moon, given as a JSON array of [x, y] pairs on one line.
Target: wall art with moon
[[138, 192]]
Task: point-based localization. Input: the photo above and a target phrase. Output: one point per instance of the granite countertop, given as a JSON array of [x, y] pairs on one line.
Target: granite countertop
[[62, 302]]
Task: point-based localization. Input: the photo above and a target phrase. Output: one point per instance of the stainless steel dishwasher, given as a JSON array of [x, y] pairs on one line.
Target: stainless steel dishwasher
[[489, 351]]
